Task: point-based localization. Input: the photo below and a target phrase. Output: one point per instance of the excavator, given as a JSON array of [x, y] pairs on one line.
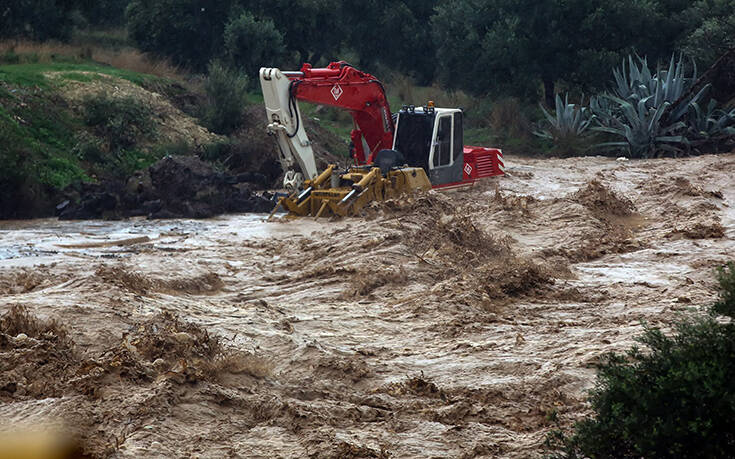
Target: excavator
[[418, 148]]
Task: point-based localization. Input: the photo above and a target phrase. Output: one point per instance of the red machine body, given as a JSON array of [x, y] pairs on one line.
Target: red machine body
[[341, 85]]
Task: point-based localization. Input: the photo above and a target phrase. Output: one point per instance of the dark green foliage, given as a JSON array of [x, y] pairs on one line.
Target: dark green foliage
[[37, 19], [395, 34], [312, 29], [726, 301], [517, 47], [226, 98], [189, 32], [674, 400], [711, 29], [104, 12], [252, 43], [119, 121]]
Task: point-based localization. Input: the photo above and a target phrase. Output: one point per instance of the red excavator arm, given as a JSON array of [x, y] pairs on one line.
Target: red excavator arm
[[341, 85]]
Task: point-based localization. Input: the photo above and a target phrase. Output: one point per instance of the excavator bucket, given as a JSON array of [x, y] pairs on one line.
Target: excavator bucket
[[345, 194]]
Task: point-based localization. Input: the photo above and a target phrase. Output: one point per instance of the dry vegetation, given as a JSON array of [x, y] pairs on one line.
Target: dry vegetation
[[123, 58]]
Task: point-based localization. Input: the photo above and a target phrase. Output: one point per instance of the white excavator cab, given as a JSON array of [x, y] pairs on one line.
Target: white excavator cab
[[431, 138]]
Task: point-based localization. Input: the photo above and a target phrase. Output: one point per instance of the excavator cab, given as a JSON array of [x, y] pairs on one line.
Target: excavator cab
[[431, 138]]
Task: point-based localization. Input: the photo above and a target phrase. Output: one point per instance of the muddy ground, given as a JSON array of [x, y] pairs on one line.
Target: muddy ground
[[446, 325]]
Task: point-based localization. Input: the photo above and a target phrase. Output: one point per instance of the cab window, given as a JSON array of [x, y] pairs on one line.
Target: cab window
[[443, 146]]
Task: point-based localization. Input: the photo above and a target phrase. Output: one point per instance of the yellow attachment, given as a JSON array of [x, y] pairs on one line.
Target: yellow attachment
[[359, 186]]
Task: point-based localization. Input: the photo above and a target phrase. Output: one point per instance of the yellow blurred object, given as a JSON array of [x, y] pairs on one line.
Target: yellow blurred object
[[39, 445]]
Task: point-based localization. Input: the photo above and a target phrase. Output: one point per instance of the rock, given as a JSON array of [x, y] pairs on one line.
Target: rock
[[92, 205], [160, 365], [21, 337], [183, 338]]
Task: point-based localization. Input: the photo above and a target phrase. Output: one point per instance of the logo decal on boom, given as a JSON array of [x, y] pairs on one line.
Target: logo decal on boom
[[336, 91]]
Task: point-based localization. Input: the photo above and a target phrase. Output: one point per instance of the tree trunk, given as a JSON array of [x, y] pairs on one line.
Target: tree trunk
[[549, 92]]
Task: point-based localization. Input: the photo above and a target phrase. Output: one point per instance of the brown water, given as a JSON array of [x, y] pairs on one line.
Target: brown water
[[409, 333]]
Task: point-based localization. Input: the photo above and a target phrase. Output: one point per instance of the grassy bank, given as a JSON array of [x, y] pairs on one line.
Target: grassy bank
[[67, 119]]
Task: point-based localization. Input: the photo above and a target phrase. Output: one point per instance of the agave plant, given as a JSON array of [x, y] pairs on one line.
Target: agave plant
[[605, 110], [710, 123], [642, 130], [665, 86], [646, 109], [567, 127], [568, 120]]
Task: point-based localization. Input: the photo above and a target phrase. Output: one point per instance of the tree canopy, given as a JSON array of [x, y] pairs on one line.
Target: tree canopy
[[523, 48]]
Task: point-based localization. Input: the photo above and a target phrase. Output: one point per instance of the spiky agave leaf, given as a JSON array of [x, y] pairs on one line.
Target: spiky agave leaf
[[567, 120], [710, 122], [641, 129]]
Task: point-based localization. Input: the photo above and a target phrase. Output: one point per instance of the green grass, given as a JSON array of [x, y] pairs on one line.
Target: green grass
[[25, 75], [43, 140], [40, 128], [80, 77]]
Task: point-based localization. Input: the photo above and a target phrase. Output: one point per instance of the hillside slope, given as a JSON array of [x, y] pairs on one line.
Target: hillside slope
[[66, 123]]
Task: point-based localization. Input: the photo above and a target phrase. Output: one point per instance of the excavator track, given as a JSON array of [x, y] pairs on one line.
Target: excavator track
[[345, 194]]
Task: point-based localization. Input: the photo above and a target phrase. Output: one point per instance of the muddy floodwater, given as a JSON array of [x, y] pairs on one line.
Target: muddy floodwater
[[464, 324]]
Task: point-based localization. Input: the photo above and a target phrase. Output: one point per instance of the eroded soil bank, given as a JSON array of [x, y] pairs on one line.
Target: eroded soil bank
[[445, 325]]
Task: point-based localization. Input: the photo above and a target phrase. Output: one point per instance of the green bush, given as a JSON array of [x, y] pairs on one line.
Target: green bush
[[726, 301], [119, 121], [227, 92], [674, 400], [251, 43]]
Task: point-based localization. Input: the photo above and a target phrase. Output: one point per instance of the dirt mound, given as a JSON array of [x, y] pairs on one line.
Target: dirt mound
[[142, 285], [35, 356], [603, 202], [28, 280], [700, 230], [174, 187], [172, 124]]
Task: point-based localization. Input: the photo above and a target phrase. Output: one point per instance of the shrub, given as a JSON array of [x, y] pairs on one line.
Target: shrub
[[226, 98], [251, 43], [710, 126], [643, 131], [120, 121], [646, 113], [726, 301], [674, 400], [507, 117]]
